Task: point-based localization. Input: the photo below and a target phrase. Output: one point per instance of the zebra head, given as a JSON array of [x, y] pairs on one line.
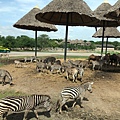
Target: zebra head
[[44, 102], [88, 86]]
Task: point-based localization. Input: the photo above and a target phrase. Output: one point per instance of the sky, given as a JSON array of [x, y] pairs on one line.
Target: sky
[[13, 10]]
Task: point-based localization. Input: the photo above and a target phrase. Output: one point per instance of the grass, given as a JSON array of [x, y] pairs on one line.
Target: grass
[[111, 52], [6, 93], [72, 57], [57, 56]]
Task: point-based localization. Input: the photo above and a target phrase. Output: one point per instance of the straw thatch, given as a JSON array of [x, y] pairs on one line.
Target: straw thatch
[[79, 12], [99, 13], [56, 12], [114, 11], [29, 22], [110, 32]]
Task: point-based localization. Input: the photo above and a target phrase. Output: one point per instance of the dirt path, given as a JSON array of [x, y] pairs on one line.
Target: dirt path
[[103, 103]]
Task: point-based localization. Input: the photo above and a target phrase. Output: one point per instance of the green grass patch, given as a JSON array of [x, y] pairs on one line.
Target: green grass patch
[[72, 57], [111, 52], [7, 93]]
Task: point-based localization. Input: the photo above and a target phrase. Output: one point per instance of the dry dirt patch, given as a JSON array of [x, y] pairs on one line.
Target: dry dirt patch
[[103, 102]]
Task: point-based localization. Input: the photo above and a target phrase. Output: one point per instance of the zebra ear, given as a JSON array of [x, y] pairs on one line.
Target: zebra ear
[[92, 83]]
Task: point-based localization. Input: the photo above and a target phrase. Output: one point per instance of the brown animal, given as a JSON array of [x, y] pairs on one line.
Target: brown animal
[[114, 59], [93, 57]]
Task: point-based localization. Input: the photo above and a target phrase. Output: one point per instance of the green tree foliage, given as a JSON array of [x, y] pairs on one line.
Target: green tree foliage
[[9, 42], [44, 42], [116, 44]]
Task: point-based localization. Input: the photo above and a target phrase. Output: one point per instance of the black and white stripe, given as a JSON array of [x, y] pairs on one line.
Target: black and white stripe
[[73, 93], [27, 103], [4, 74]]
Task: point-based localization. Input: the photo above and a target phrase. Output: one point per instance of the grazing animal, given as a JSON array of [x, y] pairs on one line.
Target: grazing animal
[[58, 62], [84, 64], [80, 72], [40, 66], [27, 103], [29, 59], [114, 59], [73, 93], [66, 64], [49, 59], [93, 57], [72, 71], [56, 67], [18, 63], [4, 55], [74, 63], [4, 74], [99, 63]]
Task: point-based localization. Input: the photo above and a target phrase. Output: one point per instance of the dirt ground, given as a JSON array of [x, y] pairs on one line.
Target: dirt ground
[[103, 104]]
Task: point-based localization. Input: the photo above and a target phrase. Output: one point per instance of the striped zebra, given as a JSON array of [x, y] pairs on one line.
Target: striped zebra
[[24, 103], [4, 74], [73, 93]]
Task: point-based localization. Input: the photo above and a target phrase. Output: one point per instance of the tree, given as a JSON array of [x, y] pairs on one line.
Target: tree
[[43, 41], [116, 43], [9, 42]]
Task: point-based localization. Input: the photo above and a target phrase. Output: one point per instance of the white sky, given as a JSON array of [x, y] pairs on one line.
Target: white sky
[[13, 10]]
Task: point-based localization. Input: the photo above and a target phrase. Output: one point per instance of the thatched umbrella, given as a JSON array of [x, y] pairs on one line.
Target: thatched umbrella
[[29, 22], [107, 22], [69, 13], [114, 11], [110, 32]]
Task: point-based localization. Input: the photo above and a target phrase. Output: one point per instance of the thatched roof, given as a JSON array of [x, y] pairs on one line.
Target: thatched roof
[[56, 12], [110, 32], [114, 11], [80, 14], [29, 22], [99, 13]]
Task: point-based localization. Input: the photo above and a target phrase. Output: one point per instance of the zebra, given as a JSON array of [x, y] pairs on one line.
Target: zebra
[[4, 74], [24, 103], [99, 63], [73, 93], [18, 63]]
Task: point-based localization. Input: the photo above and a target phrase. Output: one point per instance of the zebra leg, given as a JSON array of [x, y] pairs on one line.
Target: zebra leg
[[35, 111], [93, 67], [25, 114], [57, 105], [10, 81], [3, 81], [63, 102], [76, 76], [4, 116], [73, 78], [74, 103], [81, 99], [67, 75]]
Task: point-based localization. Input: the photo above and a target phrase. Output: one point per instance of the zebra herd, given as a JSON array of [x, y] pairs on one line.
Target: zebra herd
[[34, 102]]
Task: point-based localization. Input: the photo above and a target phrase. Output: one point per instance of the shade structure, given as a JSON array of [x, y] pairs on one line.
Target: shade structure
[[114, 11], [29, 22], [106, 22], [69, 13], [110, 32]]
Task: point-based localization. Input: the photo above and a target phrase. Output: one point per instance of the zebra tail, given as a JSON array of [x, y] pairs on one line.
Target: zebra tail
[[57, 105]]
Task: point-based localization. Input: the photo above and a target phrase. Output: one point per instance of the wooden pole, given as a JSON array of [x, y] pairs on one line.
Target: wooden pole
[[66, 37]]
